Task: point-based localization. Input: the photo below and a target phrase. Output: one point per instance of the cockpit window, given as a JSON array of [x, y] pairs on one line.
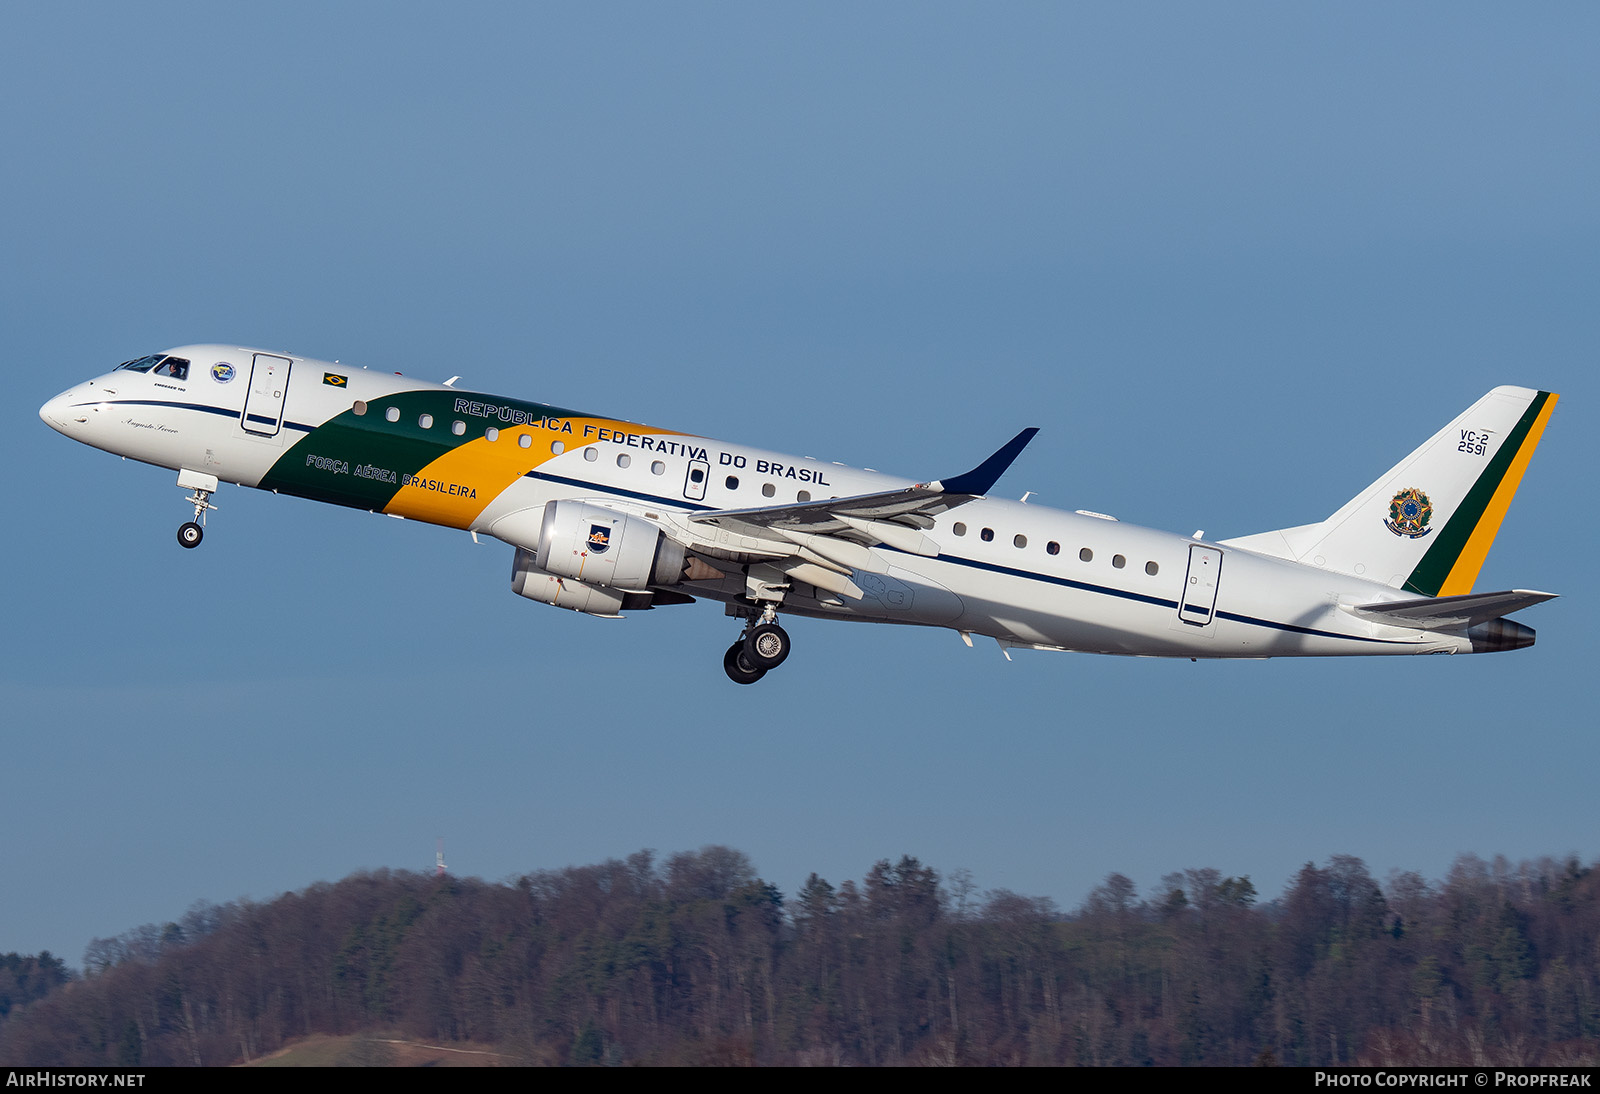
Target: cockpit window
[[175, 367], [143, 364]]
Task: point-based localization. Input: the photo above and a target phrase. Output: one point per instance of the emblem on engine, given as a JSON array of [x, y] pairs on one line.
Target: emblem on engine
[[1409, 514], [599, 538]]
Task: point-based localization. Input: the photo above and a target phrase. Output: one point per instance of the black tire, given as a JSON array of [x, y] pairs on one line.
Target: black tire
[[767, 646], [739, 670], [191, 534]]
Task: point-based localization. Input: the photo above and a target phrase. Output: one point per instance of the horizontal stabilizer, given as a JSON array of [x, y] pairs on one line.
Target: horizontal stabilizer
[[1448, 613]]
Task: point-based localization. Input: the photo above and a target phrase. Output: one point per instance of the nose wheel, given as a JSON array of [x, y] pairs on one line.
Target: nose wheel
[[190, 533]]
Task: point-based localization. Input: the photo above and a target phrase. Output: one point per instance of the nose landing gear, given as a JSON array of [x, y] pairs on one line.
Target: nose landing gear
[[191, 532]]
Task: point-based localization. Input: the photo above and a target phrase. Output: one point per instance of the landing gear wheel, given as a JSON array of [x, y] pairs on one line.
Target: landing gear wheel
[[767, 645], [191, 534], [738, 667]]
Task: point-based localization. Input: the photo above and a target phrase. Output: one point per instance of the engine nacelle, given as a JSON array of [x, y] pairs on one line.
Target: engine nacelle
[[605, 548], [528, 580]]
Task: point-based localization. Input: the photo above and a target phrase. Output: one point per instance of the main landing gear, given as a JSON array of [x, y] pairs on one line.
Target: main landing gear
[[190, 533], [763, 647]]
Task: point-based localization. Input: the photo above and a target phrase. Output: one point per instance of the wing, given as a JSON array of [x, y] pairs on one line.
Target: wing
[[895, 517], [822, 542]]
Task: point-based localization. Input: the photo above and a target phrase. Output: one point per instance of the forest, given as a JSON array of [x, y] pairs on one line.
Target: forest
[[695, 960]]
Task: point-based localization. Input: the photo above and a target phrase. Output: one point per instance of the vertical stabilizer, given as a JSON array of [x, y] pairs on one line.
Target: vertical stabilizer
[[1428, 523]]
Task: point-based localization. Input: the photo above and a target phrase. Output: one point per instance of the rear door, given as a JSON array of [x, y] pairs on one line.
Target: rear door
[[1199, 603]]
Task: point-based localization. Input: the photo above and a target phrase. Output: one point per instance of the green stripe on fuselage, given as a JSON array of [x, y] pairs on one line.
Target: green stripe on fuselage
[[362, 460]]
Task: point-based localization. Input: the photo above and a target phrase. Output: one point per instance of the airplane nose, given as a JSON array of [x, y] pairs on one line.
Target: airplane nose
[[54, 413]]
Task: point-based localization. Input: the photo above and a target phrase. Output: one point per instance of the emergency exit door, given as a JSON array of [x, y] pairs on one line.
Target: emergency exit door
[[694, 483]]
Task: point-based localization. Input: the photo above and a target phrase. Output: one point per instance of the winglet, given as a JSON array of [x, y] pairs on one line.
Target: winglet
[[982, 478]]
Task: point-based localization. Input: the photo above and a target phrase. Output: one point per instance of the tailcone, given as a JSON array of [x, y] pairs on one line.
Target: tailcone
[[1499, 635]]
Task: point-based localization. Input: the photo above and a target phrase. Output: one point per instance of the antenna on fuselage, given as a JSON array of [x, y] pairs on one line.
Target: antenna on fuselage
[[438, 859]]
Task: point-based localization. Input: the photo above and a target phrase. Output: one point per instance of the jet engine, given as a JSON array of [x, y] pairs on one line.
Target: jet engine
[[603, 547], [528, 580], [598, 561]]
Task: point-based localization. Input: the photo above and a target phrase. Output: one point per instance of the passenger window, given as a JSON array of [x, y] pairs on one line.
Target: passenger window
[[393, 414], [358, 408], [1151, 568], [590, 454], [697, 475], [804, 495], [1020, 540], [1118, 561], [623, 459], [525, 441], [658, 468], [987, 535], [959, 529], [1052, 548], [557, 447], [458, 428], [767, 490], [733, 482], [1086, 555], [491, 434], [426, 421]]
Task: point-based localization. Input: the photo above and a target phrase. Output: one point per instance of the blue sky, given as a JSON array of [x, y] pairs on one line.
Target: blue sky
[[1234, 260]]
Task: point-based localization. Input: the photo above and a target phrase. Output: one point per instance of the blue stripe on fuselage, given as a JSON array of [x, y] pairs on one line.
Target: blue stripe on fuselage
[[995, 568], [201, 407]]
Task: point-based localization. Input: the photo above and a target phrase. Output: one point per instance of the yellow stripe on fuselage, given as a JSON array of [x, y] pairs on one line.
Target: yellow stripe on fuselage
[[1465, 571], [455, 488]]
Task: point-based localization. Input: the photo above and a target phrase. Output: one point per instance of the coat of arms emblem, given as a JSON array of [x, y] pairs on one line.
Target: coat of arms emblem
[[1409, 514]]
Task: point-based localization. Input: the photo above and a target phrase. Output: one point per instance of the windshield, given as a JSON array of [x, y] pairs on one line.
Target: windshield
[[143, 364], [175, 367]]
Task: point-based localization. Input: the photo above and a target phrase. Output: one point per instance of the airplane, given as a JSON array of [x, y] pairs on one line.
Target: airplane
[[608, 516]]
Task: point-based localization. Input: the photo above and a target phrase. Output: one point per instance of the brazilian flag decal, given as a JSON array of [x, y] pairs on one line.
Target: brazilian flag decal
[[333, 379]]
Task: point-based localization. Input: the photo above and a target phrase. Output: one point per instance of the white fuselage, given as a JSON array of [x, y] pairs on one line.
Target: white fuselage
[[1023, 574]]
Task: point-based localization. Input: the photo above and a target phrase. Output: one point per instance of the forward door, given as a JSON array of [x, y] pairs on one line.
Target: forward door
[[263, 401]]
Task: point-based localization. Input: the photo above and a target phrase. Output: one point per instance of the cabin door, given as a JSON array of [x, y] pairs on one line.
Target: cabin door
[[263, 401], [1199, 601]]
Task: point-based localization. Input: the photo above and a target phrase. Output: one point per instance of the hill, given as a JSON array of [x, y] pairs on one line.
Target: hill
[[696, 960]]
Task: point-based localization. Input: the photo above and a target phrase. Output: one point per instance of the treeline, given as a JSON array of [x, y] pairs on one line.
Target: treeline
[[696, 960], [27, 979]]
